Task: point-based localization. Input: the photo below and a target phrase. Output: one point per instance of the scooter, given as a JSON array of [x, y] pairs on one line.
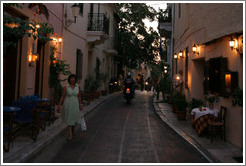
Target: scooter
[[128, 94]]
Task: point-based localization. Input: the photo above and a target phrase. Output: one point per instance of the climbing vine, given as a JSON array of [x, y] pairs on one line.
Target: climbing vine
[[57, 67], [15, 28]]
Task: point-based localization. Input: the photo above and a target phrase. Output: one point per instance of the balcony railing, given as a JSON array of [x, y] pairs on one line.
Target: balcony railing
[[98, 22]]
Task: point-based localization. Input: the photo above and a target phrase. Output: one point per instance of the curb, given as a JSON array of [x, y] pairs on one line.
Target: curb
[[30, 151], [186, 137]]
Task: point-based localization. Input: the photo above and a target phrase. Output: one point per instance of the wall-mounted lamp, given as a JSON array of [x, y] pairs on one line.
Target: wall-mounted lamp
[[60, 39], [232, 43], [177, 77], [55, 62], [75, 12], [181, 54], [32, 58], [175, 56], [195, 49]]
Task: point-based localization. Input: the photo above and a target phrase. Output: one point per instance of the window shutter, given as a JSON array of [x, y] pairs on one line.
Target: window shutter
[[206, 77], [234, 81], [79, 64], [81, 8]]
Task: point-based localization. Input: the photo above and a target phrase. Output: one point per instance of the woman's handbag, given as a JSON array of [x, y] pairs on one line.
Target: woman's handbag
[[83, 124]]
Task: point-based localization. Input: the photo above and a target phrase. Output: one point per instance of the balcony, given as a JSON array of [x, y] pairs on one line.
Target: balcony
[[98, 28], [111, 46]]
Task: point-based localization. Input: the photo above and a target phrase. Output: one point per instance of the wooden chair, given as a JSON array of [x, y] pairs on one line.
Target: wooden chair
[[218, 124]]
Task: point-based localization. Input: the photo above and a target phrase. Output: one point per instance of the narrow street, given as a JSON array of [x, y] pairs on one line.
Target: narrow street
[[122, 133]]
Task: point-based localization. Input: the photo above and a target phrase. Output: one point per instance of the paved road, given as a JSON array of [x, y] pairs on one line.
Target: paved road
[[122, 133]]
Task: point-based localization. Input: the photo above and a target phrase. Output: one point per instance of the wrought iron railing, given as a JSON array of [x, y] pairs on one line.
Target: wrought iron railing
[[98, 22]]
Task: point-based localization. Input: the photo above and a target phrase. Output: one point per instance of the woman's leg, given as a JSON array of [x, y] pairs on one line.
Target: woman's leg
[[70, 132]]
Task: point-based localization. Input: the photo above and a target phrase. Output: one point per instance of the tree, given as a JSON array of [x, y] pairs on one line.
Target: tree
[[137, 43]]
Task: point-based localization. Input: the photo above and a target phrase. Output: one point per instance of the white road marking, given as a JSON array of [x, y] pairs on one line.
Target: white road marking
[[151, 138], [122, 138]]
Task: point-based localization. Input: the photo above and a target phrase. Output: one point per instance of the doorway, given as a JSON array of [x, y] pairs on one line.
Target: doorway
[[10, 72]]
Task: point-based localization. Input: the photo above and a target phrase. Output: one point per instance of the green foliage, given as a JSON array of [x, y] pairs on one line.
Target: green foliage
[[137, 43], [12, 5], [166, 84], [157, 69], [179, 100], [237, 97], [22, 28], [55, 70], [195, 103], [165, 15]]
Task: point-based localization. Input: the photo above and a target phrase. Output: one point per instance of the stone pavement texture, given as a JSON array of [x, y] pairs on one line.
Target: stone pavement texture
[[216, 152], [24, 149]]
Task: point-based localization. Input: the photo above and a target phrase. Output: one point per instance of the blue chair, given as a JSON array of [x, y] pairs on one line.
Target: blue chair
[[7, 131], [27, 119]]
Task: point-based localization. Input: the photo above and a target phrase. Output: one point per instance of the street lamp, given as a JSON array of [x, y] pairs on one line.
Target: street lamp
[[75, 12]]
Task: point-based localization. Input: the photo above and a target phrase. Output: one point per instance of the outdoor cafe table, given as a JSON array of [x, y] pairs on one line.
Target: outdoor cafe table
[[8, 112], [201, 118]]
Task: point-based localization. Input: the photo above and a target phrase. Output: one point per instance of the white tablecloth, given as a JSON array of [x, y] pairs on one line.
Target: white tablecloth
[[198, 113]]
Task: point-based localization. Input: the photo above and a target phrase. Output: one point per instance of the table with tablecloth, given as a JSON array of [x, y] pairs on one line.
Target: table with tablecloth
[[201, 118]]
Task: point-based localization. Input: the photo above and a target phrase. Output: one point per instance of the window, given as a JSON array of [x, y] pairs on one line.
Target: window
[[81, 8], [214, 76], [79, 65]]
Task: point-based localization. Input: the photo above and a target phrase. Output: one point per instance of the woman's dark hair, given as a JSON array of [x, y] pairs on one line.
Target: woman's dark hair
[[72, 76]]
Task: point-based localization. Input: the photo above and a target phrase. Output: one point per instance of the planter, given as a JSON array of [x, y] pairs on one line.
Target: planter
[[181, 115]]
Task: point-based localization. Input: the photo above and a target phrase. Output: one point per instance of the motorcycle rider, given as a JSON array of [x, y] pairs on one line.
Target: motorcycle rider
[[129, 82]]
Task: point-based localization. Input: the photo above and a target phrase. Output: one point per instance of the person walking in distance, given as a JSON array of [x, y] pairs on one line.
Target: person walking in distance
[[72, 104]]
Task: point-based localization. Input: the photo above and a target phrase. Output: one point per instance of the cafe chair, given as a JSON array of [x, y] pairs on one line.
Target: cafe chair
[[217, 125], [26, 120]]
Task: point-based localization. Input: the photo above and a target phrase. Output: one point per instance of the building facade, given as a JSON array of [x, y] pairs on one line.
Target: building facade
[[90, 43], [87, 45], [214, 67]]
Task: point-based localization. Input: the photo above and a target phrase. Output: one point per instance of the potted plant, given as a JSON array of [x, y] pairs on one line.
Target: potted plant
[[181, 104], [195, 103], [165, 86], [211, 99]]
